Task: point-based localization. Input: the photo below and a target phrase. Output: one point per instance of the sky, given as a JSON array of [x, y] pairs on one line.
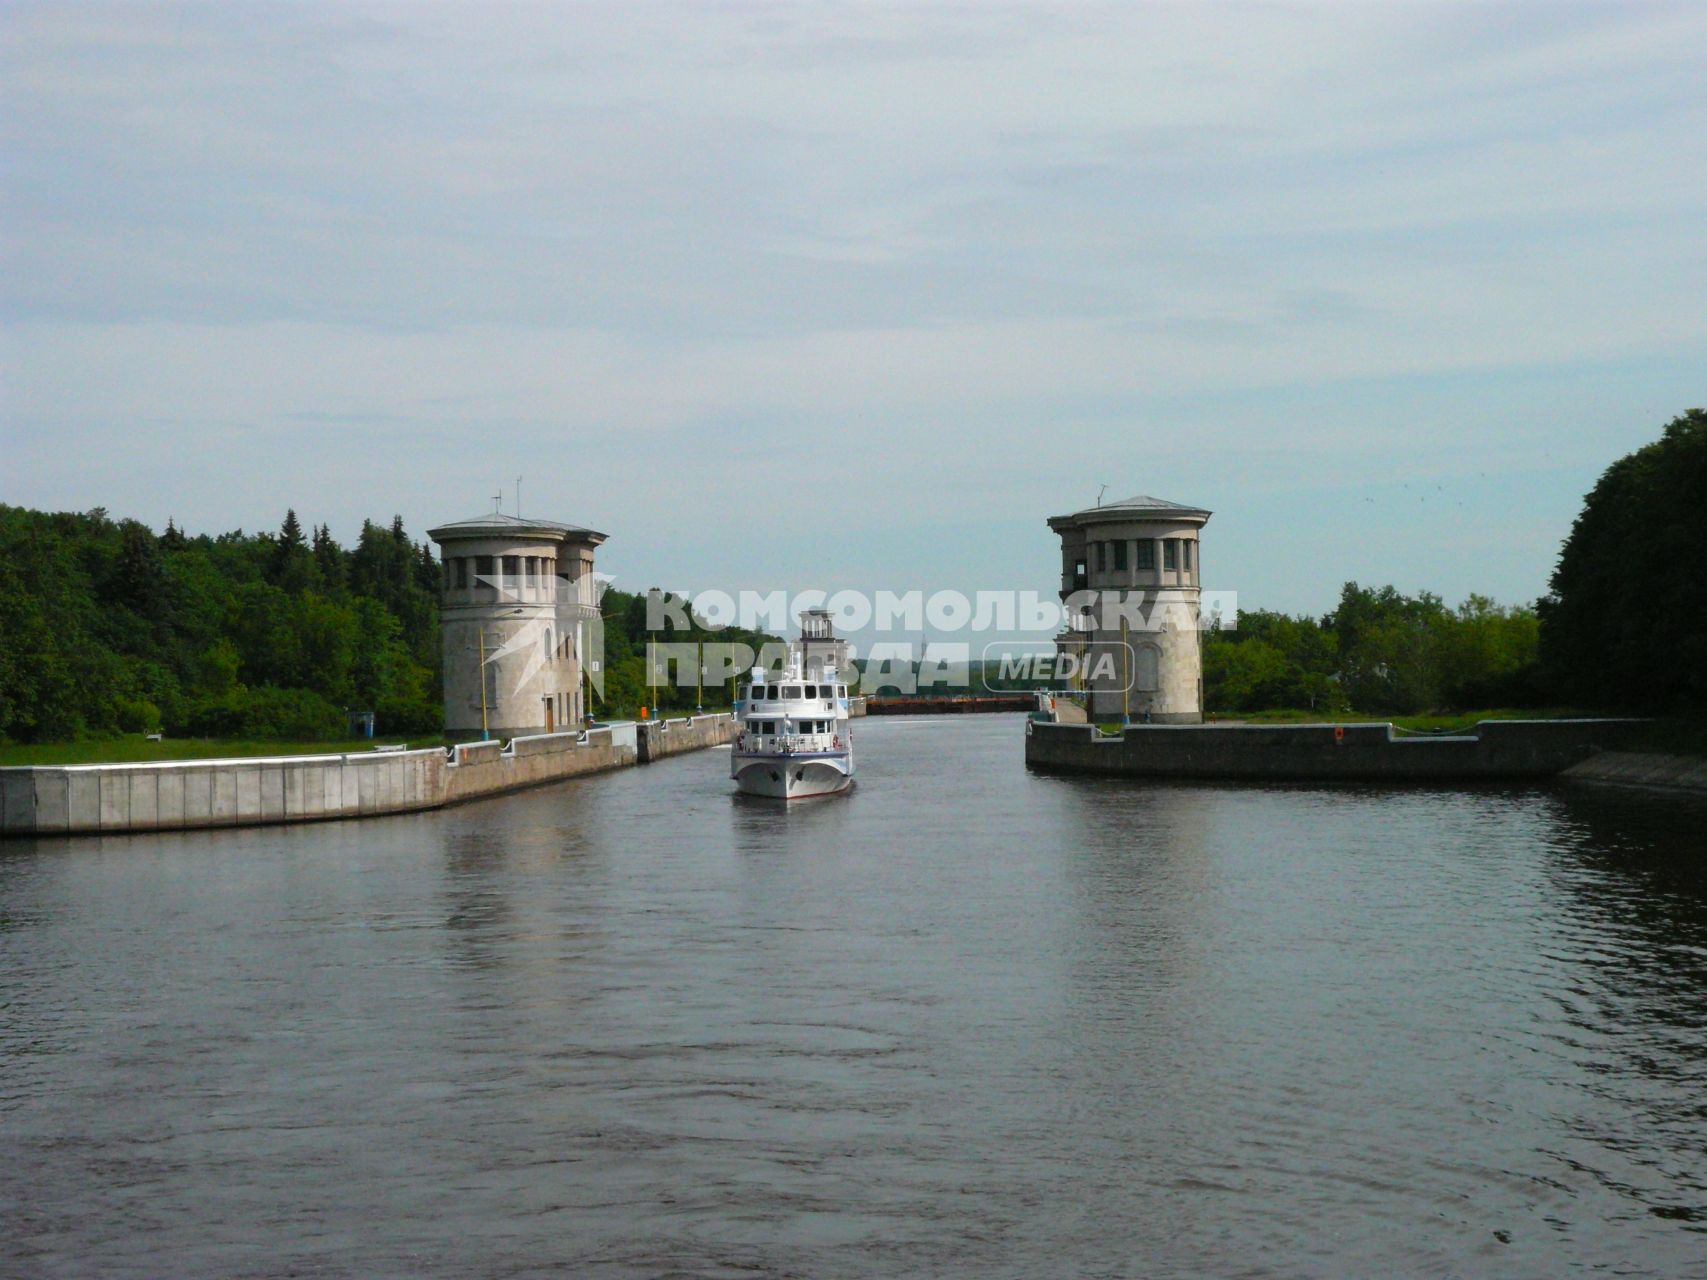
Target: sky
[[857, 295]]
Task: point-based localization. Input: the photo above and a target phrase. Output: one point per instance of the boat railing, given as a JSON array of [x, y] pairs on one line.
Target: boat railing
[[790, 743]]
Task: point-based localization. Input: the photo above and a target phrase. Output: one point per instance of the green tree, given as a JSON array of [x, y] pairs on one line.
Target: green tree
[[1625, 622], [293, 567]]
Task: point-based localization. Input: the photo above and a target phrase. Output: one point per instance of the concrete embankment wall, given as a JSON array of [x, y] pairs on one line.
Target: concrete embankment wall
[[479, 769], [1353, 752], [1643, 769], [661, 738], [178, 794]]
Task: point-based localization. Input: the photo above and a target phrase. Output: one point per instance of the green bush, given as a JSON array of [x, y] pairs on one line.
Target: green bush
[[136, 715], [409, 715], [296, 714]]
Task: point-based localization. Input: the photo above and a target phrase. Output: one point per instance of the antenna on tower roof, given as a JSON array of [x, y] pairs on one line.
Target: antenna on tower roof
[[518, 497], [1100, 492], [497, 501]]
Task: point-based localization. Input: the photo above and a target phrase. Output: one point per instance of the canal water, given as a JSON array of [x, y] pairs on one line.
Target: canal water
[[964, 1021]]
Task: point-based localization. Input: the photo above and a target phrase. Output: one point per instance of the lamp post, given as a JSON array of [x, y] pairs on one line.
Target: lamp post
[[1125, 675], [484, 734]]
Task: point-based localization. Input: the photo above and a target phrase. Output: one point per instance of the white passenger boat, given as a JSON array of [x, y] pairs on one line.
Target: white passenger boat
[[794, 738]]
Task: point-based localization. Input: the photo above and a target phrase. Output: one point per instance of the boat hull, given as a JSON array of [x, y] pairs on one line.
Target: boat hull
[[792, 777]]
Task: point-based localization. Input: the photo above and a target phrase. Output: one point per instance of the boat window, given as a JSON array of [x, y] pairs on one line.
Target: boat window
[[791, 691], [811, 691], [759, 694], [841, 691]]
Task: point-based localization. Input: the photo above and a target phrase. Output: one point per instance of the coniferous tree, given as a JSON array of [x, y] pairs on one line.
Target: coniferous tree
[[328, 559], [1625, 625]]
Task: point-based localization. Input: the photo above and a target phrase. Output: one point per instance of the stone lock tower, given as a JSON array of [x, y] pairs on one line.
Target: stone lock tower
[[518, 606], [1131, 584]]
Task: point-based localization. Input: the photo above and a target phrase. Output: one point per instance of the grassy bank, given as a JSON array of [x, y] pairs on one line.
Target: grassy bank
[[135, 749]]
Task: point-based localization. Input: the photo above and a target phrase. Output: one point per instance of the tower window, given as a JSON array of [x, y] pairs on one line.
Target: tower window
[[1170, 557], [1120, 556], [1146, 554]]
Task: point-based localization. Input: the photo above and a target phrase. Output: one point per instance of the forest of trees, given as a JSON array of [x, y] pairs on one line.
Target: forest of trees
[[1378, 651], [106, 627], [1624, 627]]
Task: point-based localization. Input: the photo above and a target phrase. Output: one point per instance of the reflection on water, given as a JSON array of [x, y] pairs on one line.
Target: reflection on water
[[965, 1019]]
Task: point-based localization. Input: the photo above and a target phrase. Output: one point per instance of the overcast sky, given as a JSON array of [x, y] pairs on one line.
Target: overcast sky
[[833, 295]]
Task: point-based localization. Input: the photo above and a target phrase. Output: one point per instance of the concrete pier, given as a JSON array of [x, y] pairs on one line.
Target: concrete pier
[[181, 794], [1494, 749]]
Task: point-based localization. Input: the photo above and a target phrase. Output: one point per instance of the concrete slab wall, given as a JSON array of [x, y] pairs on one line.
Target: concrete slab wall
[[180, 794], [658, 739], [1352, 752], [174, 795], [1643, 769], [531, 762]]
